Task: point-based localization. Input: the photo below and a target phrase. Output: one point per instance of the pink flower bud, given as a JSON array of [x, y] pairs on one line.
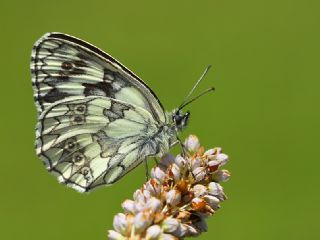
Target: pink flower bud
[[153, 186], [138, 196], [192, 143], [158, 174], [221, 176], [120, 223], [153, 232], [146, 194], [199, 190], [128, 206], [210, 152], [170, 225], [154, 204], [192, 231], [212, 201], [198, 204], [141, 221], [175, 172], [173, 197], [222, 158], [195, 163], [213, 165], [181, 231], [180, 161], [166, 236], [139, 206], [113, 235], [215, 189], [199, 173]]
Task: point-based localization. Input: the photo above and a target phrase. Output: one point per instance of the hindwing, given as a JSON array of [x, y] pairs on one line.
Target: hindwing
[[93, 141]]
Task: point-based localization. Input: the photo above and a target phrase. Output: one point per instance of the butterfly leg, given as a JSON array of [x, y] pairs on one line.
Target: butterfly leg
[[156, 161], [182, 146], [174, 143], [184, 154], [147, 169]]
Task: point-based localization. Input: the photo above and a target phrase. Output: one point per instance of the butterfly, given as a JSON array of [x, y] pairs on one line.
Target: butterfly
[[97, 120]]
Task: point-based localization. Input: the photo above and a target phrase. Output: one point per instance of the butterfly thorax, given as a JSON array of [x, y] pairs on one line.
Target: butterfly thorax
[[161, 141]]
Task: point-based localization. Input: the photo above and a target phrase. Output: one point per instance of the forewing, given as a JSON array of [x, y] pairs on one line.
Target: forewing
[[63, 66], [93, 141]]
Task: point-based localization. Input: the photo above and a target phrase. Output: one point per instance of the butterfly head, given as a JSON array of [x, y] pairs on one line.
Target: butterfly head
[[180, 119]]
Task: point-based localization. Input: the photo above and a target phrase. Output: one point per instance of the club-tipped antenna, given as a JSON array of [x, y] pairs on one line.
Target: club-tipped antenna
[[194, 87], [195, 98]]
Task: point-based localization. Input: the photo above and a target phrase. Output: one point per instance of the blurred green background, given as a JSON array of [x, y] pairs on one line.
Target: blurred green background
[[264, 113]]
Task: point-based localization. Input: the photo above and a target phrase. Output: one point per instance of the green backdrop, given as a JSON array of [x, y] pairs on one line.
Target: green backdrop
[[264, 113]]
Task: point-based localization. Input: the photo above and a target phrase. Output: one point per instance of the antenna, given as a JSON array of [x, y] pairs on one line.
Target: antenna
[[185, 101], [195, 98]]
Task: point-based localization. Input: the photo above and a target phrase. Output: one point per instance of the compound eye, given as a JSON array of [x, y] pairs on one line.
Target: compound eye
[[178, 119]]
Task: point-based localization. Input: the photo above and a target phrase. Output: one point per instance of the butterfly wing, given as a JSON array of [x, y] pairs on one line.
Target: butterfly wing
[[93, 141], [63, 66], [97, 119]]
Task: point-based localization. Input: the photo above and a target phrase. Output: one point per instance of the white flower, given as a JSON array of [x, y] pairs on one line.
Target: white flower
[[174, 203], [192, 143]]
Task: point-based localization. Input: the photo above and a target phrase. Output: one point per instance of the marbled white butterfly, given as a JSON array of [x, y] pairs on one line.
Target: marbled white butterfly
[[97, 120]]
